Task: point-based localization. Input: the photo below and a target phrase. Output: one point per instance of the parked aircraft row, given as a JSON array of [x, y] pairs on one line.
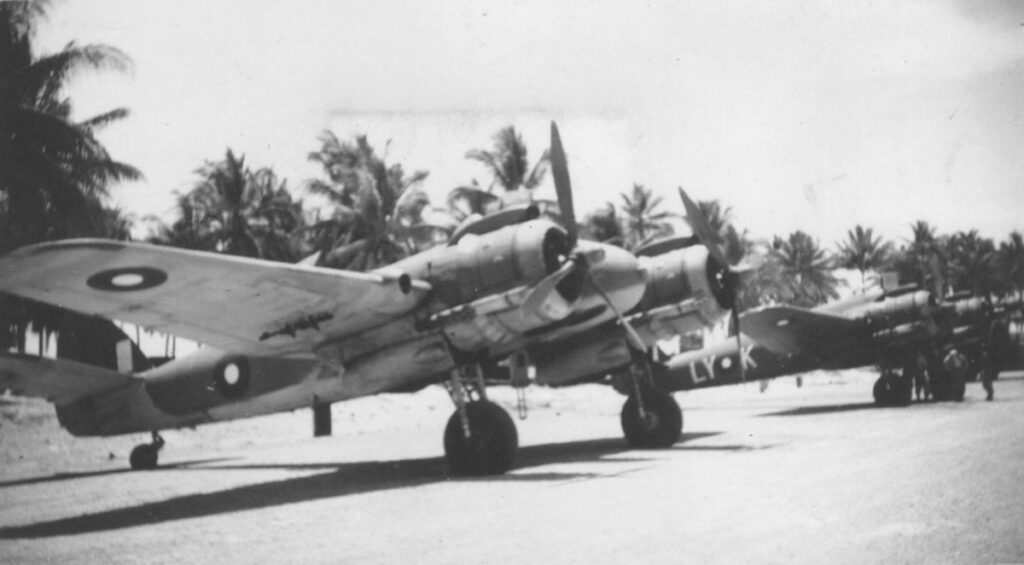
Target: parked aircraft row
[[515, 297], [889, 329]]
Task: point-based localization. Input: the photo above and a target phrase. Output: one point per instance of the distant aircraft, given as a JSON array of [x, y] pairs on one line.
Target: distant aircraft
[[514, 295], [877, 327]]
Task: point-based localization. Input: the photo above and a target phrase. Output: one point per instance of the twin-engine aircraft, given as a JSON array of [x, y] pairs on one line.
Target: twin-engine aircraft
[[890, 329], [513, 297]]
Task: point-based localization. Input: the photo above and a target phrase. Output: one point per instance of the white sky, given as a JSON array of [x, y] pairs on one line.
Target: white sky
[[800, 115]]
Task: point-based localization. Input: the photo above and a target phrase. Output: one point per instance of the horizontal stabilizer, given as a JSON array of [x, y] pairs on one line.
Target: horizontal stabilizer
[[59, 381]]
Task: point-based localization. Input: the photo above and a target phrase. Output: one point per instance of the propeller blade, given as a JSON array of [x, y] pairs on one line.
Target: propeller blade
[[632, 337], [701, 227], [563, 187], [543, 290], [749, 266]]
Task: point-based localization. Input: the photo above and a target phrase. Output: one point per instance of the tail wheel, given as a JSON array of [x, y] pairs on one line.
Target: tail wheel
[[492, 443], [660, 426]]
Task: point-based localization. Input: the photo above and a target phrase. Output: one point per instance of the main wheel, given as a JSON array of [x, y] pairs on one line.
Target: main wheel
[[661, 426], [144, 456], [884, 391], [492, 443]]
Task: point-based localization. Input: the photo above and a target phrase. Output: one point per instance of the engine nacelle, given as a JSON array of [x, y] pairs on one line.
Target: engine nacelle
[[493, 262], [971, 309], [686, 290], [902, 309]]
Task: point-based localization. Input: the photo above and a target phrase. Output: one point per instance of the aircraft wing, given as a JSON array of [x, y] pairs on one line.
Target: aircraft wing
[[56, 380], [231, 303], [785, 329]]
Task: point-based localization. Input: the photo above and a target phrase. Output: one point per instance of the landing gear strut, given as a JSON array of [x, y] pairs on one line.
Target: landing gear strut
[[145, 456], [651, 418], [480, 438]]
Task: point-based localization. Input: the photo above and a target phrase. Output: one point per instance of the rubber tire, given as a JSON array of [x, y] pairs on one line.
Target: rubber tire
[[665, 425], [144, 457], [491, 447], [884, 391]]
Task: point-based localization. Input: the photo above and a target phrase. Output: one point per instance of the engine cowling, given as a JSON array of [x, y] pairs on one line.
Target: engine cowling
[[910, 307], [493, 262], [683, 274]]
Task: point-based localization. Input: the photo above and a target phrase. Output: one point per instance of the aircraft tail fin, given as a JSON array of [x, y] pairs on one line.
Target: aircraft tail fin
[[97, 341]]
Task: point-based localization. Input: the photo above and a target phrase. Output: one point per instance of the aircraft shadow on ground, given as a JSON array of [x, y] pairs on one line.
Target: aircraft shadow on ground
[[337, 480], [118, 471], [827, 409]]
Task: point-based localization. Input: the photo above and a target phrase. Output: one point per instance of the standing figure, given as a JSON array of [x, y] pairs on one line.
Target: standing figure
[[988, 373], [922, 388]]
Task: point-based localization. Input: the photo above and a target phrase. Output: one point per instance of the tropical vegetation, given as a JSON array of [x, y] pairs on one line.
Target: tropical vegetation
[[368, 212], [56, 175]]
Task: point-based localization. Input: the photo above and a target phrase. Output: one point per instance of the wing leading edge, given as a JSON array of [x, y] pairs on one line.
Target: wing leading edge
[[232, 303]]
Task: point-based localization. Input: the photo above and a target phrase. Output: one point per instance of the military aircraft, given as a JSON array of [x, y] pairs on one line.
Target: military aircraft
[[980, 326], [511, 295], [877, 327]]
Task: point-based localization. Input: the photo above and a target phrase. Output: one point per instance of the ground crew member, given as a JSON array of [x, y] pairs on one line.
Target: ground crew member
[[921, 384], [988, 373], [955, 363]]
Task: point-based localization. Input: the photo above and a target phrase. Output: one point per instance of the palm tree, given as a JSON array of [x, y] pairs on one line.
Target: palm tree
[[972, 262], [603, 225], [864, 252], [508, 163], [238, 211], [718, 218], [804, 271], [375, 205], [643, 220], [921, 261], [1010, 263], [187, 232], [56, 173]]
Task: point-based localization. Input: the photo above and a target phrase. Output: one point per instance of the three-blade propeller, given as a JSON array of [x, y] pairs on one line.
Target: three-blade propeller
[[729, 277], [580, 260]]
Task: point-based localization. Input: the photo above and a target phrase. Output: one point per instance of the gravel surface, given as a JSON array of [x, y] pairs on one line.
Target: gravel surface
[[794, 475]]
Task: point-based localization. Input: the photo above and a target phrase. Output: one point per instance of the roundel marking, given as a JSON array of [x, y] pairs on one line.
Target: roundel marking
[[127, 279], [231, 377]]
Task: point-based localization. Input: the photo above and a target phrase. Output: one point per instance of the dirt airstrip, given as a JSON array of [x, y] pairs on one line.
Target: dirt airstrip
[[806, 475]]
